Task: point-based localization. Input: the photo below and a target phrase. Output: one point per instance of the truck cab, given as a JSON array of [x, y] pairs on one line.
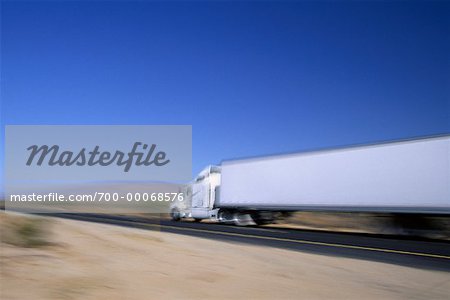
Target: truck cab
[[199, 196]]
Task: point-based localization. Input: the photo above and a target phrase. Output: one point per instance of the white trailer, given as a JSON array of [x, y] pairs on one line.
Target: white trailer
[[411, 176]]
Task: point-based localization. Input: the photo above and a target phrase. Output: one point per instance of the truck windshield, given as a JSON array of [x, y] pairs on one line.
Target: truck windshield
[[215, 169]]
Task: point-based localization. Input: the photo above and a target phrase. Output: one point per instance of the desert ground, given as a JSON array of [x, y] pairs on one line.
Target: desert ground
[[66, 259]]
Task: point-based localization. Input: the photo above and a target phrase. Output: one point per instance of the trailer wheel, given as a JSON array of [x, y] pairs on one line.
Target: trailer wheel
[[263, 218], [175, 214], [261, 222]]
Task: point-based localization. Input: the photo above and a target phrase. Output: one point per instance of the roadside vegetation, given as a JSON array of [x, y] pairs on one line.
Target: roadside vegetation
[[25, 231]]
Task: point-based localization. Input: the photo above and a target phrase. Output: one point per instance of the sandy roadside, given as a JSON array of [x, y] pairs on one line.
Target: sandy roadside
[[93, 261]]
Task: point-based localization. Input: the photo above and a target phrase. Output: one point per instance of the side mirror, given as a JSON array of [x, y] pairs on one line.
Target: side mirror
[[199, 178]]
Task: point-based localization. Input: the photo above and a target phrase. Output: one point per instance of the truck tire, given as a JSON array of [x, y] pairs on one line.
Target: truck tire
[[242, 219], [264, 218], [175, 214], [225, 217]]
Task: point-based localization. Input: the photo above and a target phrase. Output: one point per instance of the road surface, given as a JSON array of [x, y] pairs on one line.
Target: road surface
[[401, 250]]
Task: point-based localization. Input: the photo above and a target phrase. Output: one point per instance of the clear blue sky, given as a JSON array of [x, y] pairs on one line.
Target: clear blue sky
[[253, 78]]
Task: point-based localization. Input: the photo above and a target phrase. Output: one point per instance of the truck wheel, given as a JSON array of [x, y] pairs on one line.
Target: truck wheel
[[262, 218], [175, 214], [225, 217], [241, 219], [197, 220]]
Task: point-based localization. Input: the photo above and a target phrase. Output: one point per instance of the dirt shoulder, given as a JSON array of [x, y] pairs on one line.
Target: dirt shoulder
[[91, 261]]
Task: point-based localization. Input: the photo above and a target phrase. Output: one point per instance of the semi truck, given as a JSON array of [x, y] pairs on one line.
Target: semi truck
[[408, 176]]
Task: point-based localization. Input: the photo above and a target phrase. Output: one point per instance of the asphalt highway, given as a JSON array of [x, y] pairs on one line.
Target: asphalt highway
[[400, 250]]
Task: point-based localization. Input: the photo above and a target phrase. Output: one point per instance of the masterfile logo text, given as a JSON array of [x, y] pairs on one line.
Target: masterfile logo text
[[54, 157]]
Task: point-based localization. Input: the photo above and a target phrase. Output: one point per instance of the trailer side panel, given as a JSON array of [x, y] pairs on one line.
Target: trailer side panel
[[409, 176]]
